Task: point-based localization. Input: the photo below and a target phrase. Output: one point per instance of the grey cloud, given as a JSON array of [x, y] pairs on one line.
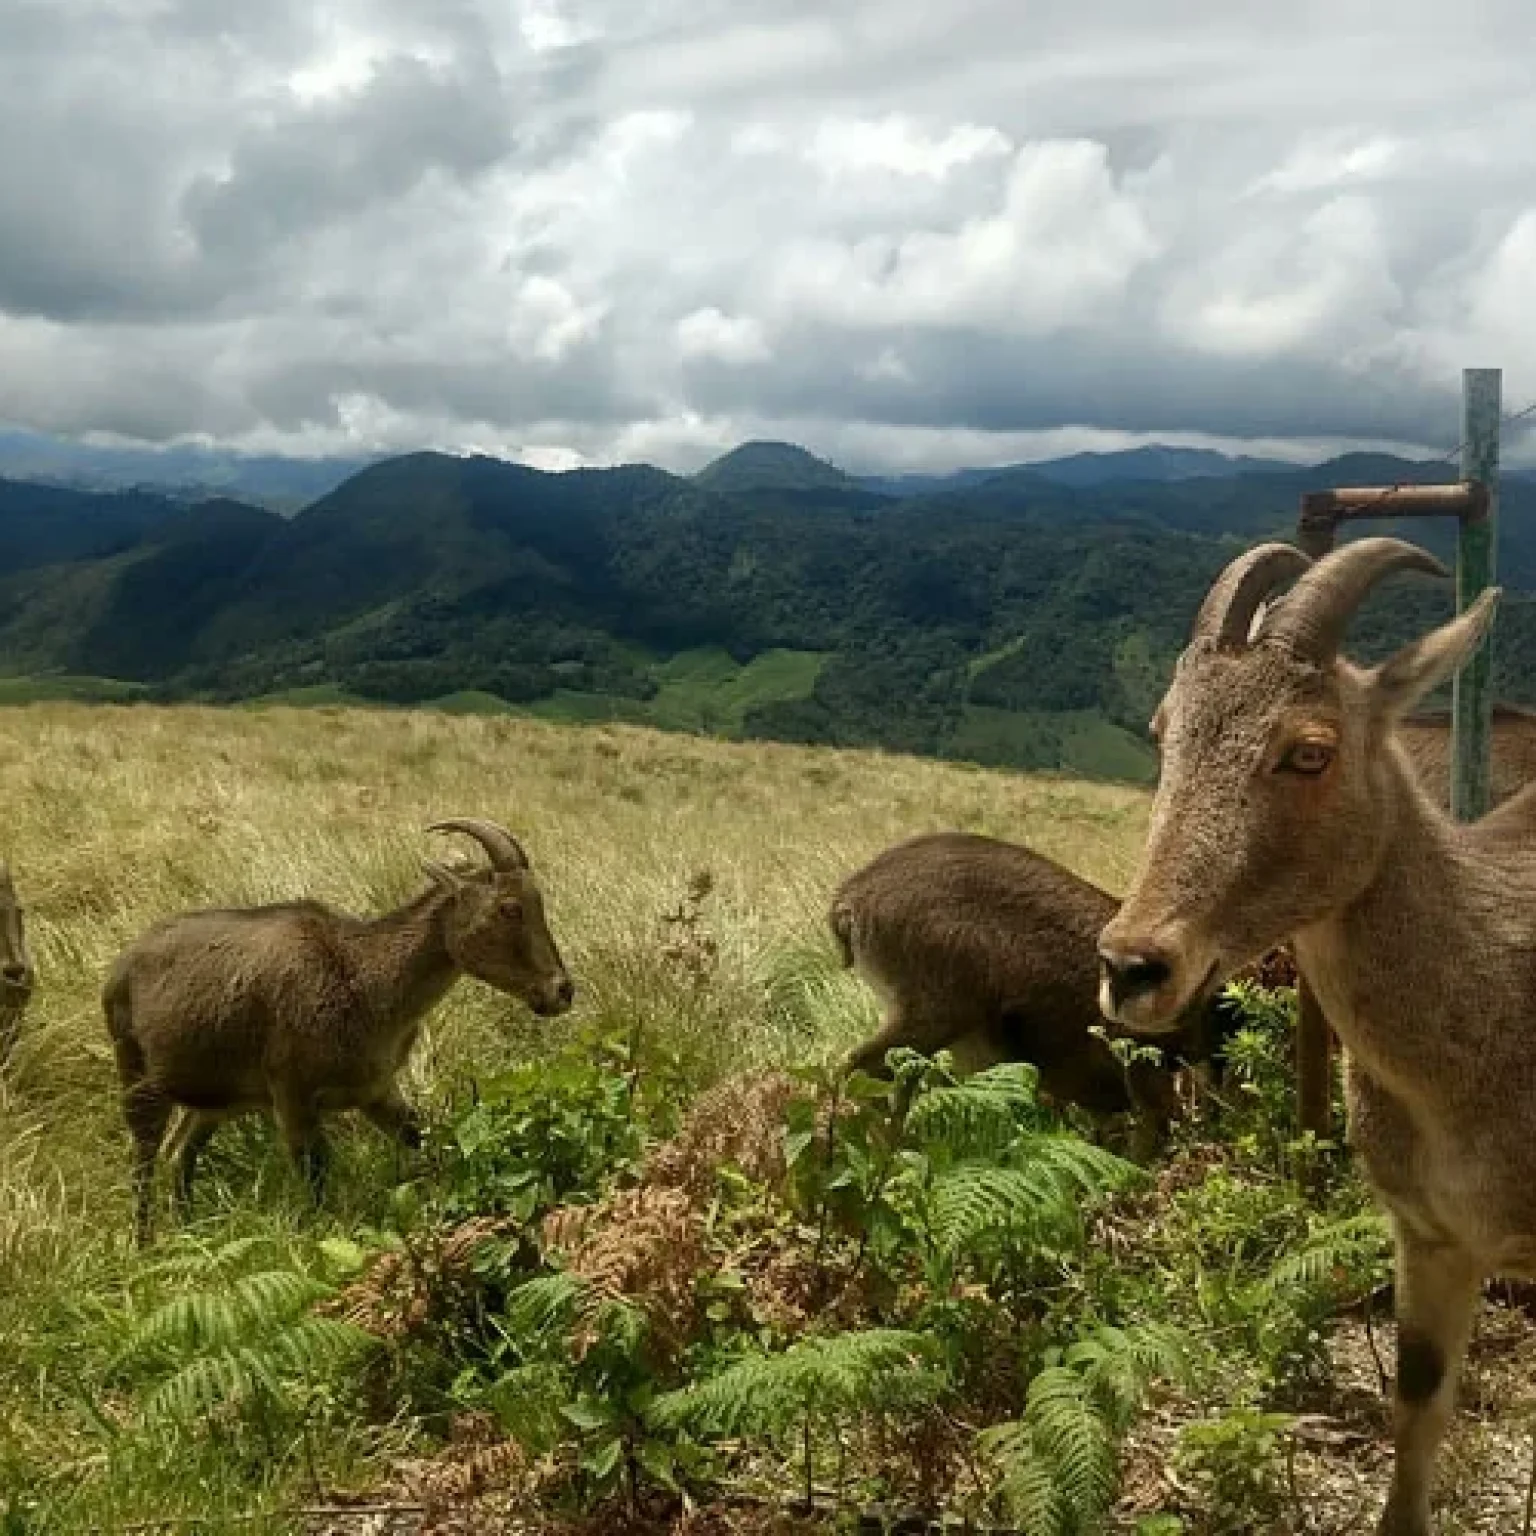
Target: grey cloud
[[597, 224], [315, 166]]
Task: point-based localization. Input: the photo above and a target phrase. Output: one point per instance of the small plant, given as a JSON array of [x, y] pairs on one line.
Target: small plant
[[544, 1133], [690, 947], [826, 1382], [1239, 1461]]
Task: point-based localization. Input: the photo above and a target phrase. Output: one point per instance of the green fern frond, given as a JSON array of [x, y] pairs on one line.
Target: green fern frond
[[980, 1115], [261, 1368], [1038, 1195], [211, 1320], [1075, 1442], [1080, 1168], [1027, 1484], [1118, 1365], [1351, 1248], [317, 1343], [196, 1260], [977, 1202], [201, 1386], [1057, 1464], [848, 1373], [542, 1307]]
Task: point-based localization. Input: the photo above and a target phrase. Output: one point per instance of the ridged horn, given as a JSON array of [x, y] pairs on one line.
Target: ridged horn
[[1317, 610], [503, 850], [1227, 613]]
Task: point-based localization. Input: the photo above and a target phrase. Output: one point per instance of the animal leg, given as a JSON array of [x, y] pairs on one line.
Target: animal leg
[[1156, 1104], [298, 1121], [147, 1111], [396, 1118], [1437, 1291], [901, 1027], [193, 1132]]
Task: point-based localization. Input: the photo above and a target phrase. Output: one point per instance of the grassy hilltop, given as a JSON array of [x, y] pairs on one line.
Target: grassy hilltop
[[134, 1388]]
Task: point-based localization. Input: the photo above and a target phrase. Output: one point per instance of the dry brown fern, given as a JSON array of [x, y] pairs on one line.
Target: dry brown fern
[[645, 1246], [739, 1121], [403, 1290]]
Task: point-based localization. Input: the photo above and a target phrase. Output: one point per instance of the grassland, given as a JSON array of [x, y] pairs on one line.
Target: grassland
[[114, 816]]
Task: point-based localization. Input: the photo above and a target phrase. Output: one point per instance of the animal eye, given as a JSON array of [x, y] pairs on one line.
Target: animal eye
[[1307, 757]]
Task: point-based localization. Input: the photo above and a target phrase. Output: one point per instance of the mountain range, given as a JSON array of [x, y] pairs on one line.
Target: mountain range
[[1024, 616], [287, 484]]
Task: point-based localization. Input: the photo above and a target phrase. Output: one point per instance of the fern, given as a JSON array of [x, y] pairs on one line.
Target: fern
[[1353, 1250], [221, 1319], [878, 1370], [192, 1260], [1118, 1365], [243, 1372], [541, 1307], [246, 1339], [1058, 1462], [1037, 1196], [980, 1116]]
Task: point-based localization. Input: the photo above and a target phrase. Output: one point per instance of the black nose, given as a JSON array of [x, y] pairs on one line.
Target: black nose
[[14, 975], [566, 992], [1131, 975]]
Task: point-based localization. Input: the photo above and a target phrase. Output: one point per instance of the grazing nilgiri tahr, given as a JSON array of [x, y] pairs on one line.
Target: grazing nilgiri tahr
[[17, 976], [1287, 806], [988, 949], [301, 1011]]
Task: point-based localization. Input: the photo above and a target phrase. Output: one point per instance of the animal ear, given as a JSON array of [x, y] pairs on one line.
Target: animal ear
[[445, 877], [1421, 666]]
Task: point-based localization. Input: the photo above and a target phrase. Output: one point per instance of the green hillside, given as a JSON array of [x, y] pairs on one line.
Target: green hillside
[[1009, 620]]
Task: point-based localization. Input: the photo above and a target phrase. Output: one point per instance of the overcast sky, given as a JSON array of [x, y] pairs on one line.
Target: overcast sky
[[905, 233]]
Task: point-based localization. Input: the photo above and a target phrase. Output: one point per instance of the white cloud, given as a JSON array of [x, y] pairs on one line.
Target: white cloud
[[587, 228], [1324, 284], [708, 333], [1059, 251], [858, 146]]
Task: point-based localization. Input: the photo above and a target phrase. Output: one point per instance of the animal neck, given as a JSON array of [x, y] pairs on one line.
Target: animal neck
[[1381, 963], [402, 962]]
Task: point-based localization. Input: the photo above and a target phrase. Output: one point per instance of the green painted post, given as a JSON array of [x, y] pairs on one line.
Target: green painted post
[[1472, 690]]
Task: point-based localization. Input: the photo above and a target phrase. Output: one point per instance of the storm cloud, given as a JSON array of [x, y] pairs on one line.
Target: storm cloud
[[905, 235]]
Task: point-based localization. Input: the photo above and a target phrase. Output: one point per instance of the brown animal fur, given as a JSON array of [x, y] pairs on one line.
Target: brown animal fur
[[1288, 805], [987, 949], [1426, 738], [18, 976], [301, 1011]]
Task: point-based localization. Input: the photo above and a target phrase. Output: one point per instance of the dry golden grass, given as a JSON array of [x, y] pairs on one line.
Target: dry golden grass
[[114, 817]]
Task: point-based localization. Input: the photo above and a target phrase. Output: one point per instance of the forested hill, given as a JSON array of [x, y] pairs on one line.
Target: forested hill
[[1007, 618]]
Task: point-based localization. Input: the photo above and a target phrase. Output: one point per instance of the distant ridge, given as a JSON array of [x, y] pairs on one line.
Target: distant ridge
[[761, 465], [280, 483], [1011, 620]]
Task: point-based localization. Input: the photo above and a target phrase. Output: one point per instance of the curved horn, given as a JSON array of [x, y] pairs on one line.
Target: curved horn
[[1317, 610], [503, 850], [1227, 613]]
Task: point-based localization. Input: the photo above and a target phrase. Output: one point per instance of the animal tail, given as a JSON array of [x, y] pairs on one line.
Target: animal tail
[[840, 921], [118, 1008]]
